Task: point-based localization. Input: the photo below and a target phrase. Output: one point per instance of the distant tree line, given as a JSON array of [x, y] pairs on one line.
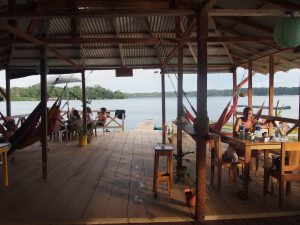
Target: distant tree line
[[98, 92], [33, 93], [226, 92]]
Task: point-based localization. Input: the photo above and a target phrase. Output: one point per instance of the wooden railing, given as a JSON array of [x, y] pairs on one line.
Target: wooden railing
[[295, 123], [19, 119], [112, 121]]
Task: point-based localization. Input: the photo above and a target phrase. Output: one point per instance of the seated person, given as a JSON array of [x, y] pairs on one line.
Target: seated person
[[248, 121], [11, 128], [89, 117], [102, 117], [75, 121]]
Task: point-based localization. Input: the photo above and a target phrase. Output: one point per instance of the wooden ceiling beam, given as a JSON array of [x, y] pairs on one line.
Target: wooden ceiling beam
[[99, 13], [284, 4], [250, 24], [148, 25], [23, 35], [267, 55], [152, 4], [279, 59], [208, 4], [212, 22], [244, 49], [189, 44], [252, 12], [117, 29], [145, 41]]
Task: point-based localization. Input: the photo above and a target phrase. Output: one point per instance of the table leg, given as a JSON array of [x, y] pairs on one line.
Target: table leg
[[5, 169], [266, 171], [247, 170], [155, 177]]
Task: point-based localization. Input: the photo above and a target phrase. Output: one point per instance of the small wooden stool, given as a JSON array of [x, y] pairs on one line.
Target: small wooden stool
[[163, 150]]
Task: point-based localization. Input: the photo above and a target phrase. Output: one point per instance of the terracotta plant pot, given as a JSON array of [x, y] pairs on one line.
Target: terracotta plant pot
[[190, 198], [171, 140]]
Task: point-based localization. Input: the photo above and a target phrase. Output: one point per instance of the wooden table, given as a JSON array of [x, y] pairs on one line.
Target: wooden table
[[248, 146], [4, 147]]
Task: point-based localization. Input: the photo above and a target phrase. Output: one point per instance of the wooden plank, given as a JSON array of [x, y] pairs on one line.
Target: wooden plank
[[98, 205], [138, 188], [28, 191], [120, 191], [73, 198]]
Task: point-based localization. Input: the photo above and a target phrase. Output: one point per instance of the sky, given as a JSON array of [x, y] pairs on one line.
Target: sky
[[150, 80]]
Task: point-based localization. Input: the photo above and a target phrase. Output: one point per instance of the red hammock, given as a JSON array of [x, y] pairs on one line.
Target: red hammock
[[29, 132]]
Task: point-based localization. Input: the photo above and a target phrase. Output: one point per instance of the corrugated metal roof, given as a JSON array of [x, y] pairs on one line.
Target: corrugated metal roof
[[102, 41]]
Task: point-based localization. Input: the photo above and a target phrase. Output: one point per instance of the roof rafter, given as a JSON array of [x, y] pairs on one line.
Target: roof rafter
[[283, 4], [250, 24], [34, 40], [148, 25], [213, 24], [99, 13], [117, 29], [251, 12]]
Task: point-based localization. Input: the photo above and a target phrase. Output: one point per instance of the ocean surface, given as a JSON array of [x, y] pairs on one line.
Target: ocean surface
[[141, 109]]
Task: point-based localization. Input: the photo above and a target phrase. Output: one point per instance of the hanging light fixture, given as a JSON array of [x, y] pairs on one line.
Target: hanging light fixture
[[287, 33]]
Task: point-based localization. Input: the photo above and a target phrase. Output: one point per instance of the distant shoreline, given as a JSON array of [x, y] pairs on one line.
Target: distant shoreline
[[222, 93]]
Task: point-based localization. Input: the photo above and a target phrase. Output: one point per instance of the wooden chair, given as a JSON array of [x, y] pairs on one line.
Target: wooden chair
[[289, 168], [217, 161]]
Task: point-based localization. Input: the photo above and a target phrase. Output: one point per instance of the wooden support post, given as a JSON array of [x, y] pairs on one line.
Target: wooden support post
[[7, 95], [271, 90], [163, 106], [250, 84], [202, 119], [234, 83], [299, 113], [83, 100], [179, 95], [44, 123]]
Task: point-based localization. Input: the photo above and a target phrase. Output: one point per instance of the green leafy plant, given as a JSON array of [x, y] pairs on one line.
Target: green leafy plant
[[170, 131], [182, 163], [82, 131], [278, 109], [189, 178]]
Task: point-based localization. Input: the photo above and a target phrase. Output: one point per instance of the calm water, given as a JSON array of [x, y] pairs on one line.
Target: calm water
[[138, 110]]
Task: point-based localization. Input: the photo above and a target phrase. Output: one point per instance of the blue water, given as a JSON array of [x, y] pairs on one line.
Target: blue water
[[138, 110]]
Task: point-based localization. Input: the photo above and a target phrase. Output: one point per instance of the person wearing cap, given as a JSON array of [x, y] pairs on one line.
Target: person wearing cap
[[102, 117]]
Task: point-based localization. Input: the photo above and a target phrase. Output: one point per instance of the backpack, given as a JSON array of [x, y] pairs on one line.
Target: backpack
[[119, 113]]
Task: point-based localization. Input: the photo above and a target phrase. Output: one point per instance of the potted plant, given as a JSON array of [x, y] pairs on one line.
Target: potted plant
[[182, 163], [82, 136], [89, 131], [190, 195]]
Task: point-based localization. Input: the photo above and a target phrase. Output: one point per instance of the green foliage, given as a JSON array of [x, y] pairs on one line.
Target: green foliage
[[226, 92], [97, 92], [278, 109]]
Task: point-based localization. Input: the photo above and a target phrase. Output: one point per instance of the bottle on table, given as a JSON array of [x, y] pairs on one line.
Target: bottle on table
[[257, 131], [277, 134], [242, 131]]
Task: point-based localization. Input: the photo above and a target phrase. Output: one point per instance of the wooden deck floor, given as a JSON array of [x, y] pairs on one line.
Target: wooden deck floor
[[110, 180]]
